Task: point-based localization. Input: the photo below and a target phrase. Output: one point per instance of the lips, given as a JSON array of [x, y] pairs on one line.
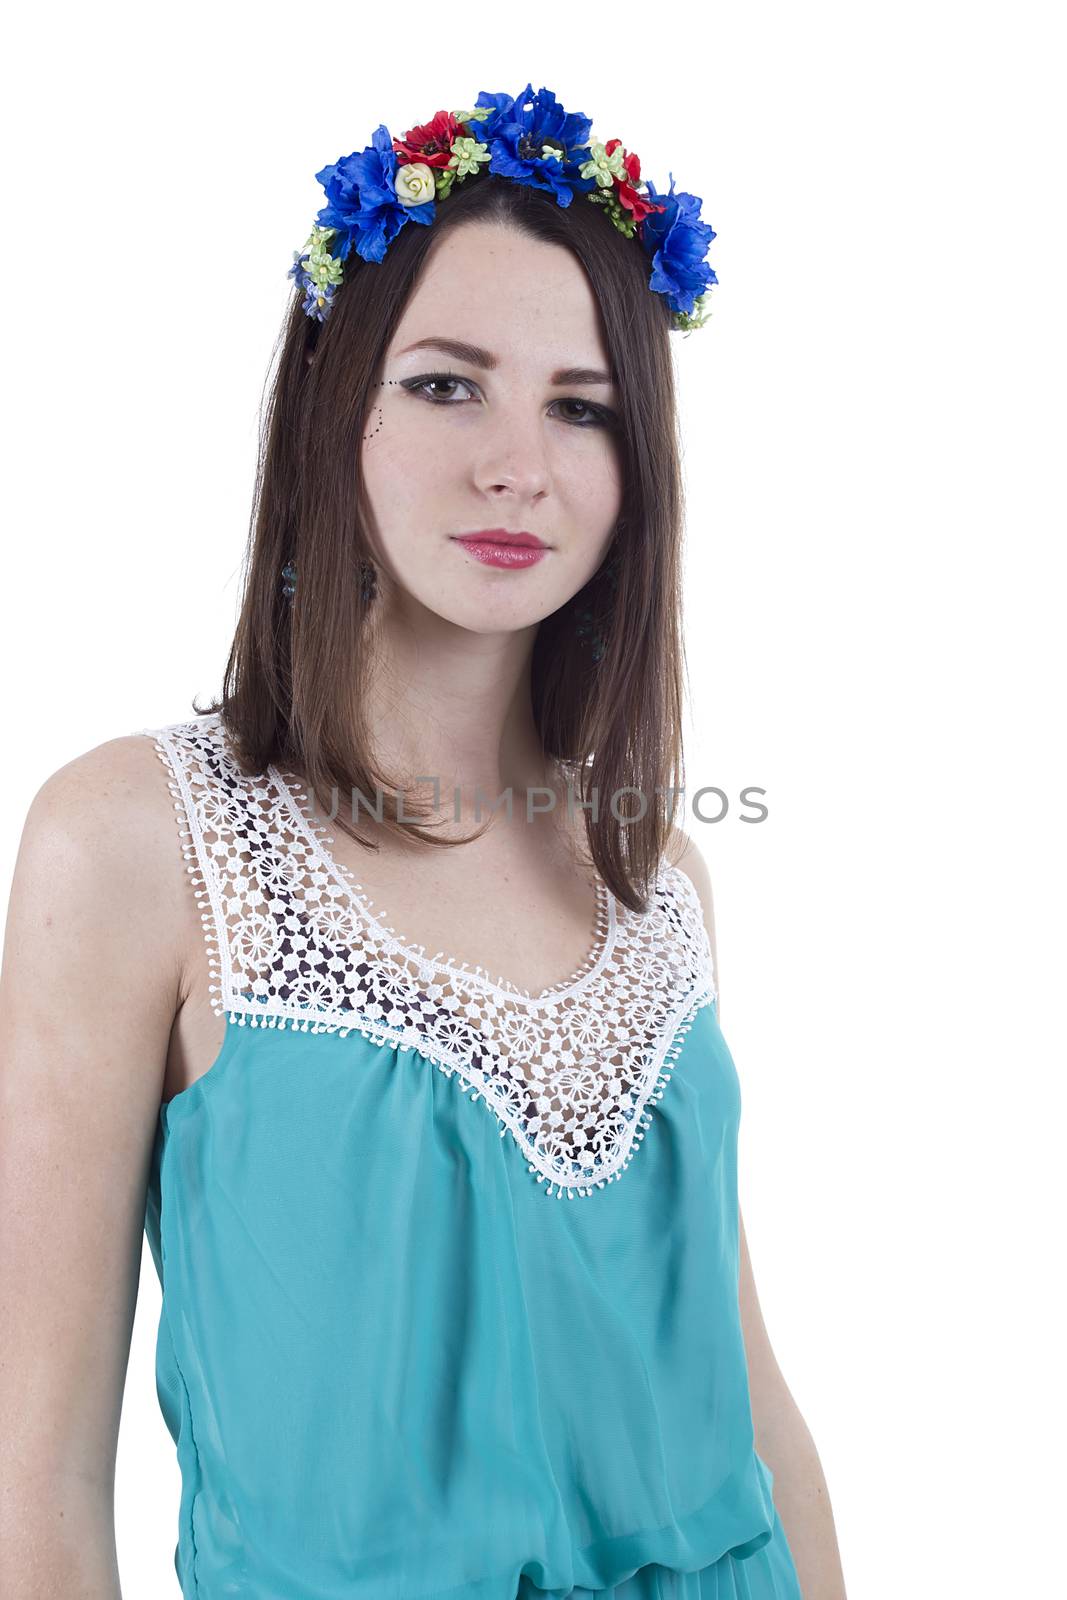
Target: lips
[[497, 547], [501, 536]]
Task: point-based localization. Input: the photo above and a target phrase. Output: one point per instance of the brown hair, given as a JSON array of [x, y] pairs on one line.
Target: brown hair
[[296, 671]]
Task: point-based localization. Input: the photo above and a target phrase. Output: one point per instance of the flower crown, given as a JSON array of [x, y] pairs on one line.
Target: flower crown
[[531, 140]]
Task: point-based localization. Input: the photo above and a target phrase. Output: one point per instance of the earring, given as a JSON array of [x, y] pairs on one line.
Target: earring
[[368, 573], [585, 625]]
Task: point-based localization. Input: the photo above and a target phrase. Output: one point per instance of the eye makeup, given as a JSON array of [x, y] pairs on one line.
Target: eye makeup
[[599, 416]]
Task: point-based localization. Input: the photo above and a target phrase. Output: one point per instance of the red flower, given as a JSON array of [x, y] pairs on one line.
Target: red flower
[[430, 142], [627, 192]]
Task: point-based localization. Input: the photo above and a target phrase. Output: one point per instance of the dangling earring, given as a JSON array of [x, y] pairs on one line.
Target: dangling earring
[[585, 625], [368, 573]]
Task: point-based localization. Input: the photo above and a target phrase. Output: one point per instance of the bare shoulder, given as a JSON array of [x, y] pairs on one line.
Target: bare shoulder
[[116, 798], [104, 823], [683, 852], [89, 990]]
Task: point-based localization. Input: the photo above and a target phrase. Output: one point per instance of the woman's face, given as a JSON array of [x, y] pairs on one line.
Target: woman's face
[[499, 443]]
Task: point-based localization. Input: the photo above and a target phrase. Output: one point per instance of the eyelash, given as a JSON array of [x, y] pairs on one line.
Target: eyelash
[[601, 415]]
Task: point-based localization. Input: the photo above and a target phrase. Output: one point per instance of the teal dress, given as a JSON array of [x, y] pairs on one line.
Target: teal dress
[[449, 1270]]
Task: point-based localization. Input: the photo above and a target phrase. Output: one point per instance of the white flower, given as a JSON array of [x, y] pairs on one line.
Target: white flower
[[414, 183]]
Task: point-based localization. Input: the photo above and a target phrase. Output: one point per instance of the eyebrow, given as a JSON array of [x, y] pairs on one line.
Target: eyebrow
[[475, 356]]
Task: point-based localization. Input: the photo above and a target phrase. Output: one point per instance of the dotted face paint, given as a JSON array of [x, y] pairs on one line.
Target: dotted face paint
[[374, 430]]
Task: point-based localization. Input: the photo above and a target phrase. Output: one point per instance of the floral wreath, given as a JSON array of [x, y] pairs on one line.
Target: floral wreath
[[531, 140]]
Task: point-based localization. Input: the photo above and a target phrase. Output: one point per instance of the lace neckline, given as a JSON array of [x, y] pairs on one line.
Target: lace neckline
[[294, 793], [573, 1073]]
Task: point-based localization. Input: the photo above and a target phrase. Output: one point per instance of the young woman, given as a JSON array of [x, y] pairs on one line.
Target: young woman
[[337, 987]]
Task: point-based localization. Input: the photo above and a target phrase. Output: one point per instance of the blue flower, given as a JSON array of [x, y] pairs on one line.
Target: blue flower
[[677, 241], [318, 298], [362, 203], [519, 132]]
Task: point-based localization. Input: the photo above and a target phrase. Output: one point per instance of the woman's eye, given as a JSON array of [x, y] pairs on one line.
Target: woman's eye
[[422, 384], [596, 415], [589, 409]]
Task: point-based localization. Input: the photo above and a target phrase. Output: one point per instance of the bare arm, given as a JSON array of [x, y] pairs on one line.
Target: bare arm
[[785, 1444], [88, 989], [781, 1434]]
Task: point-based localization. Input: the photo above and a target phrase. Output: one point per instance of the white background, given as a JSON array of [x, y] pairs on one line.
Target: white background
[[874, 604]]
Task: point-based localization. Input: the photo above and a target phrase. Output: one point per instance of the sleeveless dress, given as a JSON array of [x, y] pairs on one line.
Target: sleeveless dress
[[449, 1270]]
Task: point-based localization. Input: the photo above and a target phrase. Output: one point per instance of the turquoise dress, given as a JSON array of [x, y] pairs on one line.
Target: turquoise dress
[[449, 1270]]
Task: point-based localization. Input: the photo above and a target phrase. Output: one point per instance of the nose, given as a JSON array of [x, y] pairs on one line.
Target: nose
[[512, 460]]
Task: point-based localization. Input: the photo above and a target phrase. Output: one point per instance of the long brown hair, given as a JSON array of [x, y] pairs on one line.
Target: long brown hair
[[295, 678]]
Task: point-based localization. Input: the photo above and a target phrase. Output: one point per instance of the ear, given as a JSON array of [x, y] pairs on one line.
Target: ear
[[309, 357]]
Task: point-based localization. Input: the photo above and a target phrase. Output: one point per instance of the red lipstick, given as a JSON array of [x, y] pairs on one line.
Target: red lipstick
[[498, 547]]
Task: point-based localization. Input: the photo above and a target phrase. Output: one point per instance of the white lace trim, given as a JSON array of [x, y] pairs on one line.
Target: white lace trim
[[316, 837], [293, 941]]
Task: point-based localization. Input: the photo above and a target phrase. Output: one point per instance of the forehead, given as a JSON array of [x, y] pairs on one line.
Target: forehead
[[495, 287]]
